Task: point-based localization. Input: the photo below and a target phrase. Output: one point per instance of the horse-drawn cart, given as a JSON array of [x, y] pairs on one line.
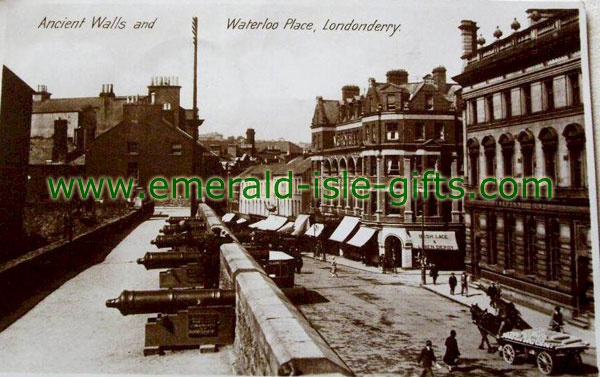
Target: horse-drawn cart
[[549, 348]]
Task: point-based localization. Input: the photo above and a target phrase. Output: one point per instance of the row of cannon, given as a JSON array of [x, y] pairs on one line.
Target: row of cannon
[[191, 310]]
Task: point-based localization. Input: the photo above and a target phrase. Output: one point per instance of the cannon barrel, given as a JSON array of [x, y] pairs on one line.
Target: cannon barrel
[[195, 227], [180, 239], [177, 219], [169, 259], [169, 300]]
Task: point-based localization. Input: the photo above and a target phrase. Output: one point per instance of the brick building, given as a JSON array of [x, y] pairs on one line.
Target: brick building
[[15, 126], [524, 117], [146, 145], [397, 127]]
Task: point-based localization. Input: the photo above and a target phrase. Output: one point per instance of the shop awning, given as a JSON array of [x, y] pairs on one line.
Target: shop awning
[[346, 227], [287, 228], [241, 221], [315, 230], [279, 255], [361, 237], [228, 217], [301, 224], [434, 240], [272, 222], [256, 224]]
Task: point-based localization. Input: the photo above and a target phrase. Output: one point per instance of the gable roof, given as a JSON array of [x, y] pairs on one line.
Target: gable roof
[[326, 112]]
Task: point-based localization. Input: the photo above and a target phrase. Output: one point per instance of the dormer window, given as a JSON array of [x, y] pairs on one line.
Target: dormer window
[[428, 102], [391, 102]]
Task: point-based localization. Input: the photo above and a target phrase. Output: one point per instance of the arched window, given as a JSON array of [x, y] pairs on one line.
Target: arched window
[[507, 143], [549, 140], [553, 249], [530, 247], [489, 149], [527, 141], [509, 242], [473, 148], [575, 136]]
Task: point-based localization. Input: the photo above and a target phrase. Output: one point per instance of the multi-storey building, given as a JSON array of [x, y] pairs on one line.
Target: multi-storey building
[[394, 129], [524, 117]]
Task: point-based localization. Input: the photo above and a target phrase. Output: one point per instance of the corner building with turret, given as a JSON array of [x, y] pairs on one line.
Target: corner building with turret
[[394, 129]]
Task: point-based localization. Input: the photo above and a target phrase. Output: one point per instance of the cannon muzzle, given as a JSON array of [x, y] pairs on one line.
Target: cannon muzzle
[[170, 259], [169, 300]]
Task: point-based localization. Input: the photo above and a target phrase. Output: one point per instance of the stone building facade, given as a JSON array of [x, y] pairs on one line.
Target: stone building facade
[[524, 117], [394, 129]]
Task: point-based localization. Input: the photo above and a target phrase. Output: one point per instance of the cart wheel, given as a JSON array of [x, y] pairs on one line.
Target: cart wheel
[[509, 354], [545, 363]]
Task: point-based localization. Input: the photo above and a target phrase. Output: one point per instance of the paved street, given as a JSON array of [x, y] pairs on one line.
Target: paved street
[[379, 323], [71, 331]]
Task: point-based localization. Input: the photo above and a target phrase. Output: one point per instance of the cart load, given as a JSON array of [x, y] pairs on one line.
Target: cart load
[[545, 339], [549, 349]]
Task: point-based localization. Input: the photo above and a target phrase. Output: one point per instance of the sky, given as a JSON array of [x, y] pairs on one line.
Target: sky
[[264, 79]]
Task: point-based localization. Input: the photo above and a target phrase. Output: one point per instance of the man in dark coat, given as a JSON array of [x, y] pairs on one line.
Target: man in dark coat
[[452, 282], [556, 323], [427, 359], [434, 272], [452, 352]]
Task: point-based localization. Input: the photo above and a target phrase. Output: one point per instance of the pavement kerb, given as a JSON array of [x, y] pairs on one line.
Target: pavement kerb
[[445, 296]]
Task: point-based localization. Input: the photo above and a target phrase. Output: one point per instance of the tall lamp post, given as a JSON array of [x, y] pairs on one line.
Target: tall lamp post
[[196, 160]]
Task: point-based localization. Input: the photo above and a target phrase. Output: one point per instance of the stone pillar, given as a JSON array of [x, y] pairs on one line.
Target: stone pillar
[[380, 196], [566, 255], [483, 232], [500, 252], [541, 256], [408, 211], [454, 173], [468, 241], [519, 254]]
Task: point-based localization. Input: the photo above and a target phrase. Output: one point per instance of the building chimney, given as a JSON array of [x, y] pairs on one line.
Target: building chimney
[[41, 94], [439, 77], [350, 91], [107, 90], [468, 33], [59, 147], [250, 139], [397, 76]]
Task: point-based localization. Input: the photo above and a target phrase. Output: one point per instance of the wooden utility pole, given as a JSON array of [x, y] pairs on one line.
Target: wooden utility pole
[[194, 203]]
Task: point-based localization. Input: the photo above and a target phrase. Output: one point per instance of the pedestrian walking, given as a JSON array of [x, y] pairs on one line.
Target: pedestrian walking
[[464, 284], [427, 360], [434, 273], [452, 352], [334, 268], [423, 273], [556, 323], [452, 282]]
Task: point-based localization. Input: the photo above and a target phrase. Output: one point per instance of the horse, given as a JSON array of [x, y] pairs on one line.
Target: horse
[[487, 323]]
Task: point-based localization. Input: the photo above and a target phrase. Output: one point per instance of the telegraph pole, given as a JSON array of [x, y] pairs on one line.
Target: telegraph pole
[[194, 203]]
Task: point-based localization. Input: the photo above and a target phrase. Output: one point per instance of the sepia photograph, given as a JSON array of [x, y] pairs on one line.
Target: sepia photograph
[[258, 187]]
